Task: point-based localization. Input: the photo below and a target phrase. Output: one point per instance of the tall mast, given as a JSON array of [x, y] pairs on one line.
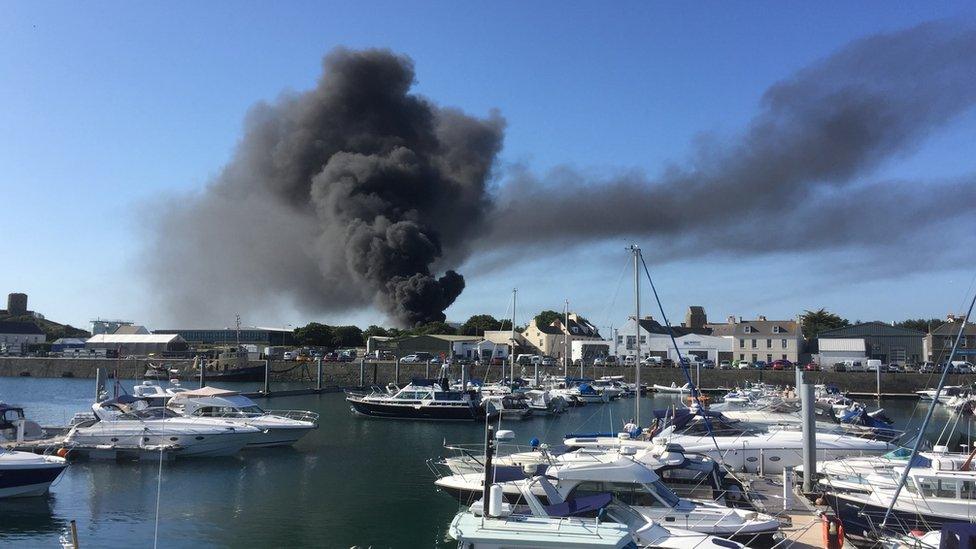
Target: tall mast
[[636, 252], [566, 342], [511, 355], [238, 331]]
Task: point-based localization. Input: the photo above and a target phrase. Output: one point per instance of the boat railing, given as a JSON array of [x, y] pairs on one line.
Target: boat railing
[[298, 415]]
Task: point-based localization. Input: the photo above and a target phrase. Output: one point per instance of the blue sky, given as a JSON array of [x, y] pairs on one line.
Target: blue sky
[[108, 107]]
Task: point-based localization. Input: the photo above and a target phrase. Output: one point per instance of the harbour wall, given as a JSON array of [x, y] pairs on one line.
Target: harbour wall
[[351, 374]]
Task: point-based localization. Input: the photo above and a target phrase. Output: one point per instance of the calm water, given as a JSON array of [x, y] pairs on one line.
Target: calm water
[[354, 481]]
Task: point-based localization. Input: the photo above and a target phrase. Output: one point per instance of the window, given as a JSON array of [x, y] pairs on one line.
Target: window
[[643, 339], [742, 343], [631, 342], [742, 356], [784, 357], [776, 329], [754, 357], [753, 343], [620, 339], [769, 343], [769, 358], [783, 342], [747, 329]]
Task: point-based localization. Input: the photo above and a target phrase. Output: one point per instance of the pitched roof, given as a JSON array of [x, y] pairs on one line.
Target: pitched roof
[[765, 327], [952, 328], [720, 330], [134, 338], [869, 329], [14, 327]]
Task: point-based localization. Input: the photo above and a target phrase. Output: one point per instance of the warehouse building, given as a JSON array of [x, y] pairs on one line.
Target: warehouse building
[[834, 350], [15, 337], [272, 337], [881, 341], [137, 344]]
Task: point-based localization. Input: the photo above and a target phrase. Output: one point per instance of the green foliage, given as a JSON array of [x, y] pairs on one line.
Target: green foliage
[[920, 324], [375, 330], [315, 334], [441, 328], [547, 317], [814, 322], [477, 325], [347, 336]]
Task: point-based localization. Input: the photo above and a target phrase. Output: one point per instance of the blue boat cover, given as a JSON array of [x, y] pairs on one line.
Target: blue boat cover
[[510, 473], [579, 506], [958, 535]]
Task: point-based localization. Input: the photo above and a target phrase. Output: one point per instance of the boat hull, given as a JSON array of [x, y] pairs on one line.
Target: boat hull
[[468, 412], [25, 480], [860, 519]]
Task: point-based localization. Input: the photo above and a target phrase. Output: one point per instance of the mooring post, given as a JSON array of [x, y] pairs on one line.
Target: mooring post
[[809, 436], [879, 385], [318, 368], [788, 488], [362, 372], [396, 372], [267, 376], [203, 373]]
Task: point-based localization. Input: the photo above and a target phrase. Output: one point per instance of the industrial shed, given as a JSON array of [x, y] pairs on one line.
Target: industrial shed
[[137, 344]]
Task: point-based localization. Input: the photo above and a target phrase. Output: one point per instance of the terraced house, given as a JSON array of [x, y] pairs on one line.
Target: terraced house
[[768, 340]]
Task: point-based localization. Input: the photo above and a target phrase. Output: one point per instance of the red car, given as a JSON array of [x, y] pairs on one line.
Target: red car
[[812, 367], [782, 365]]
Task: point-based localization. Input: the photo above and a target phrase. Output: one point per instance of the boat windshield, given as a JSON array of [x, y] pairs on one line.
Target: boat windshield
[[408, 394], [664, 493], [149, 413], [229, 411]]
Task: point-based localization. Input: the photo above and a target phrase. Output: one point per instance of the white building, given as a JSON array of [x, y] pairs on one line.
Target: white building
[[833, 350], [15, 337], [656, 341]]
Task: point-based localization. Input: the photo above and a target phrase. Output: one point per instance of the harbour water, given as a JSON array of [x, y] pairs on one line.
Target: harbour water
[[354, 481]]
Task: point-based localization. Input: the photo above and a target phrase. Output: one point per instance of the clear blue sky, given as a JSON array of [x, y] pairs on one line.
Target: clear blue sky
[[106, 107]]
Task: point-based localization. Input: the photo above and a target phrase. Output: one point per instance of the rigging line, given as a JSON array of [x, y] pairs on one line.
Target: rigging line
[[616, 291], [928, 415], [695, 393], [159, 489]]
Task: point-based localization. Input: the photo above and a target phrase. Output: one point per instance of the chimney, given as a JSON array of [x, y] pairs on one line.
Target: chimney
[[762, 318], [951, 317], [730, 319]]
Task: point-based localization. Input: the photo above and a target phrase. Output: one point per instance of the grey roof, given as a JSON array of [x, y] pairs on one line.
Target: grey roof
[[952, 328], [874, 328], [14, 327], [765, 327], [720, 330], [652, 326]]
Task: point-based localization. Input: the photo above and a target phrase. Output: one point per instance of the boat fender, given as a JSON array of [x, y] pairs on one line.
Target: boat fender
[[833, 532], [534, 443], [62, 452]]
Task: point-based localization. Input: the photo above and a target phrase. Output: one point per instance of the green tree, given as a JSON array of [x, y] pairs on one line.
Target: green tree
[[547, 317], [814, 322], [441, 328], [375, 330], [920, 324], [315, 334], [478, 324], [347, 336]]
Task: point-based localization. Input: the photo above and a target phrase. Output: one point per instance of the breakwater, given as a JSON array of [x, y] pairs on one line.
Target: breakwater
[[348, 374]]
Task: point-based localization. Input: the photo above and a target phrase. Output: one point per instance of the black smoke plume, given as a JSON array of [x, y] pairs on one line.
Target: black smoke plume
[[349, 194], [795, 178]]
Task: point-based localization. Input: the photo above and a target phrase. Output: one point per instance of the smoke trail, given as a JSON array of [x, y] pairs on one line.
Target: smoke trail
[[794, 178], [338, 197]]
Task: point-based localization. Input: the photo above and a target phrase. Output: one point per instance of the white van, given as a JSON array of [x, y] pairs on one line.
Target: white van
[[873, 365]]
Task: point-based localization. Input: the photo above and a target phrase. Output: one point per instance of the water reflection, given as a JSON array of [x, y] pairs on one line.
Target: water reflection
[[26, 518]]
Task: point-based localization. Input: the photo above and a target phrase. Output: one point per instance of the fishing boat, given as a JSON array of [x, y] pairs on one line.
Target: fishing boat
[[278, 427], [24, 474], [420, 399], [125, 427]]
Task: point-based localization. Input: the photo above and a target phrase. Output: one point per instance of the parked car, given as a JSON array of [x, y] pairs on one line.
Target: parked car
[[289, 356], [548, 361], [927, 368], [725, 365], [854, 365], [839, 367], [743, 365], [782, 365], [610, 361], [760, 364], [893, 368], [416, 358], [708, 364], [812, 367], [630, 360]]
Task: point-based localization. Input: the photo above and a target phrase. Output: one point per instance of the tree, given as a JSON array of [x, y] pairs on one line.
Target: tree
[[347, 336], [814, 322], [920, 324], [375, 330], [477, 325], [315, 334], [547, 317], [441, 328]]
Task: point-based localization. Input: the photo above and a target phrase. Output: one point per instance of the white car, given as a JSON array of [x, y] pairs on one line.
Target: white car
[[630, 360], [743, 365]]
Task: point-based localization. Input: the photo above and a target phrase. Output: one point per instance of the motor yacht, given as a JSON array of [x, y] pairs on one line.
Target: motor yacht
[[24, 474], [279, 427], [14, 425], [947, 393], [420, 399], [940, 489], [126, 427], [512, 406], [542, 401], [673, 389]]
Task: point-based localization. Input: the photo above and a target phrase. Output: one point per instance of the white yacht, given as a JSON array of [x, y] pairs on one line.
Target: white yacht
[[511, 406], [25, 474], [124, 427], [542, 401], [279, 427], [673, 389], [634, 484], [940, 489], [947, 393]]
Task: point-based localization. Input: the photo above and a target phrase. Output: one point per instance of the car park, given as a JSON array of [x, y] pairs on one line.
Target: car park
[[416, 358], [811, 367], [725, 365], [708, 364]]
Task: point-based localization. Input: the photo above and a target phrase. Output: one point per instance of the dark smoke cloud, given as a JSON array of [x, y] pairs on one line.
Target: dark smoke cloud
[[794, 179], [342, 196]]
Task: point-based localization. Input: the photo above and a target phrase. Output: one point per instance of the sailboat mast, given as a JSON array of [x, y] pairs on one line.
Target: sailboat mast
[[511, 354], [566, 345], [637, 381]]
